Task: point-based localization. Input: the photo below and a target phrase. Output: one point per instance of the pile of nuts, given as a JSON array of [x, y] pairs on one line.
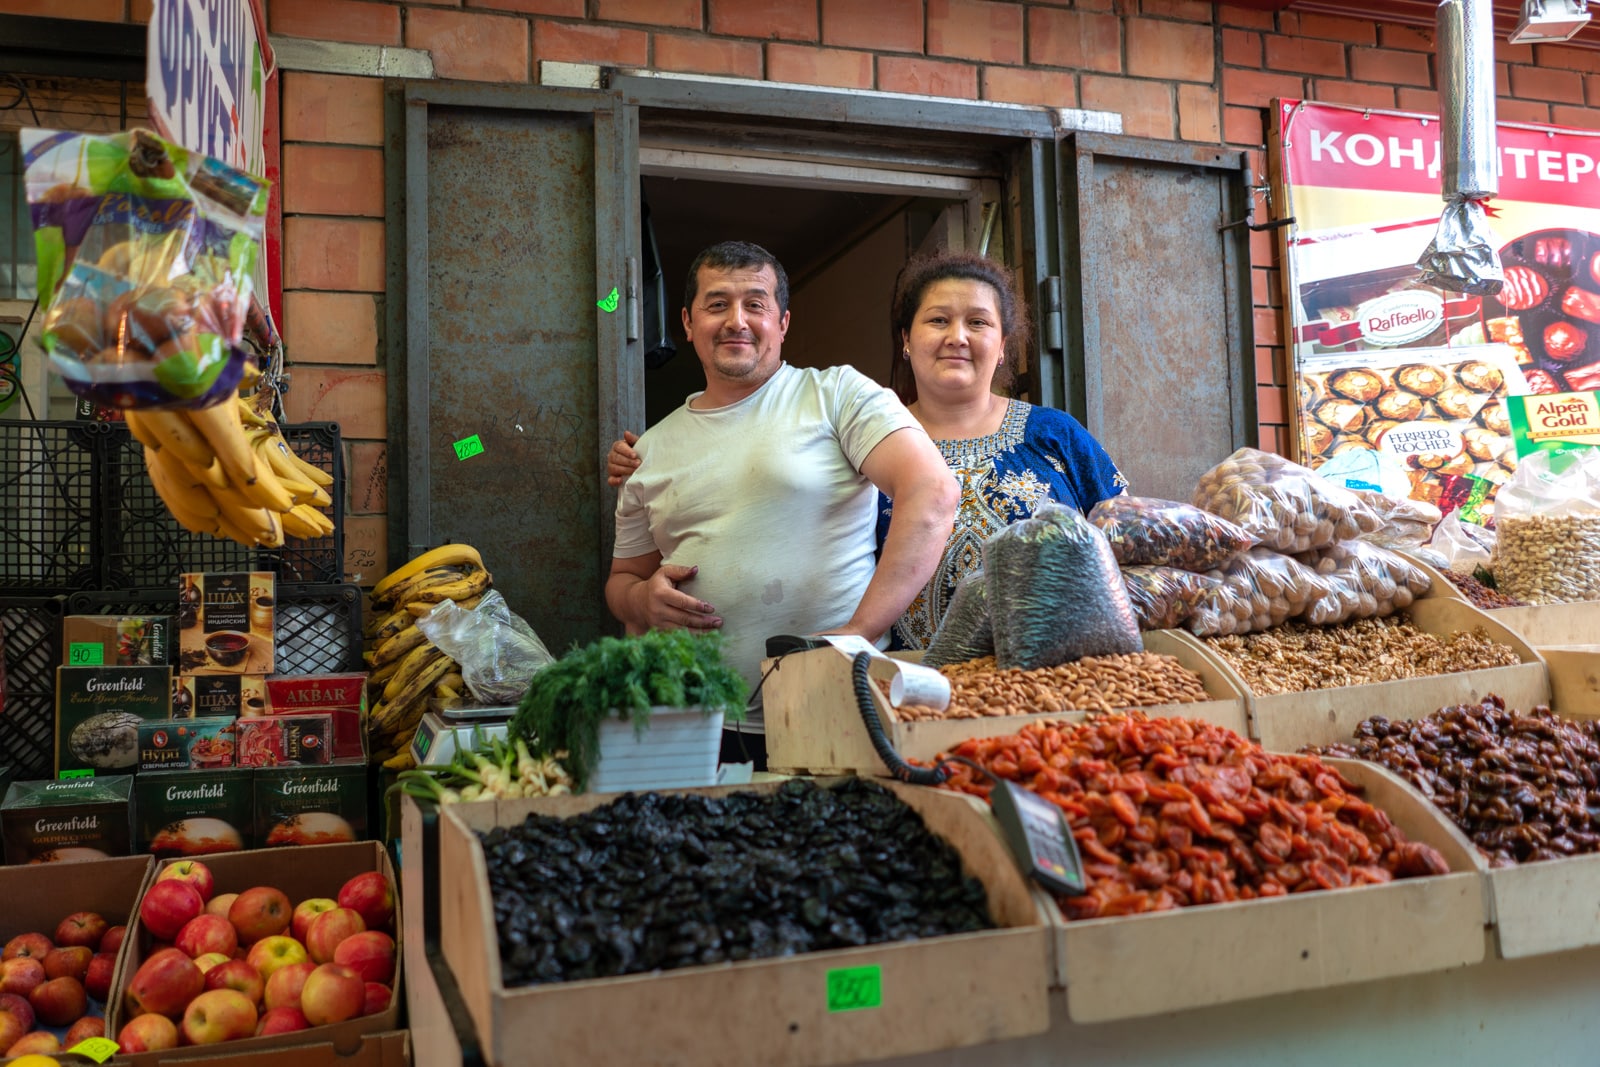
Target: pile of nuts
[[1094, 683], [1297, 657], [1548, 560], [1481, 595], [1522, 785]]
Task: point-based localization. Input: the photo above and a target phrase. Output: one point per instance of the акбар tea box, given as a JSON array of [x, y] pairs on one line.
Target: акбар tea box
[[62, 821], [344, 696], [98, 712]]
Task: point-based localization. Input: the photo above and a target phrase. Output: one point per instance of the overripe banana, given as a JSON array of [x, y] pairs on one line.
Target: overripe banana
[[443, 556], [417, 659]]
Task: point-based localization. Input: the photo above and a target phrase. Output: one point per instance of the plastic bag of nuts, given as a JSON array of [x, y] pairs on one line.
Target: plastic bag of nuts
[[1366, 581], [1144, 531], [1165, 597], [1289, 507], [965, 632], [1406, 523], [1547, 519], [1259, 590]]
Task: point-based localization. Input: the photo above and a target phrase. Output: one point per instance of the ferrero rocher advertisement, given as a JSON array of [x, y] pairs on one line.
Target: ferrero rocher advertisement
[[1413, 376]]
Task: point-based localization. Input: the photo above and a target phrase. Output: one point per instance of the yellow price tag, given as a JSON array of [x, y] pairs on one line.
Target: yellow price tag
[[98, 1049]]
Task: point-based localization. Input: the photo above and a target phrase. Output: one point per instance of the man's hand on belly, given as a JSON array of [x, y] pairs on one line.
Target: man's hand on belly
[[663, 606]]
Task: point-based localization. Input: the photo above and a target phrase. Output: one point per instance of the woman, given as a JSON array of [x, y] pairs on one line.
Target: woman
[[958, 325]]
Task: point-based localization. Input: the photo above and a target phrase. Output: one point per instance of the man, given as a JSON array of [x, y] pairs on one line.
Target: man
[[752, 508]]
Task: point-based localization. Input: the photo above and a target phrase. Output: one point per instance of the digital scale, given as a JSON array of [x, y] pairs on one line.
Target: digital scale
[[446, 728]]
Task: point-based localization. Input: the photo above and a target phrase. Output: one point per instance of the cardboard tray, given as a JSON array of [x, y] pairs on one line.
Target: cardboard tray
[[391, 1048], [1284, 722], [940, 993], [814, 727], [1554, 625], [302, 872], [1140, 965]]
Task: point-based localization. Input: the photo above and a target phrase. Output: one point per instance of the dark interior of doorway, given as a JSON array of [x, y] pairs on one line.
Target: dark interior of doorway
[[841, 249]]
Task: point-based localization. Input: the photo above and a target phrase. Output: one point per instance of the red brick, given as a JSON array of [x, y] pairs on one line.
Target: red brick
[[1591, 90], [1272, 438], [569, 8], [332, 108], [1515, 53], [1269, 362], [1522, 111], [1070, 39], [1502, 79], [883, 25], [1089, 5], [684, 13], [1423, 100], [88, 10], [819, 66], [1335, 28], [139, 11], [356, 21], [1583, 117], [572, 43], [1408, 38], [927, 77], [366, 549], [1538, 83], [1228, 15], [1193, 10], [331, 327], [323, 180], [1261, 288], [1197, 114], [358, 400], [1145, 106], [344, 255], [1271, 404], [1263, 244], [1244, 125], [1048, 88], [369, 477], [465, 44], [1305, 56], [1358, 93], [1257, 88], [975, 29], [1241, 48], [1390, 68], [1268, 327], [766, 19], [1175, 51], [1555, 55], [707, 55]]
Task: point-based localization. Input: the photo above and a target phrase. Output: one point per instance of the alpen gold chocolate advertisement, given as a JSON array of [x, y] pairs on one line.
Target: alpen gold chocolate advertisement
[[1399, 383]]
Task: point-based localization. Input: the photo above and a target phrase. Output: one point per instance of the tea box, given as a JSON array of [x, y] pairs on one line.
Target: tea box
[[187, 744], [234, 695], [285, 740], [311, 805], [116, 640], [67, 821], [98, 712], [195, 813], [226, 623], [344, 696]]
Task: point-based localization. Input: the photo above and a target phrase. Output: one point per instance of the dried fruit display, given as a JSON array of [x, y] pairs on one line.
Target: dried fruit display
[[1481, 595], [979, 689], [1172, 813]]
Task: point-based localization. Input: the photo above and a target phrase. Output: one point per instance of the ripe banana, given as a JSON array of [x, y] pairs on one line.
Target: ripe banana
[[401, 761], [390, 625], [181, 491], [402, 713], [174, 430], [440, 583], [306, 523], [270, 447], [444, 555], [220, 426]]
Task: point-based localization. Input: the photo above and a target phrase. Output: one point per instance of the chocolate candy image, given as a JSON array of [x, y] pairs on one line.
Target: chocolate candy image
[[1318, 438], [1564, 342], [1540, 381], [1594, 267], [1483, 444], [1375, 430], [1508, 331], [1553, 252], [1421, 379], [1458, 403], [1400, 405], [1524, 288], [1581, 304], [1359, 385], [1346, 415], [1479, 376], [1584, 379], [1494, 419]]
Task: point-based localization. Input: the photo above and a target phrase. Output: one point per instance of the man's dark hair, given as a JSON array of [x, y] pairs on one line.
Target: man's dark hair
[[736, 255]]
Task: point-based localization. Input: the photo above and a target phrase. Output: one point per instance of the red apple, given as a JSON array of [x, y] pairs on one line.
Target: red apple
[[82, 1030], [13, 1024], [332, 994], [260, 912], [20, 975], [218, 1015], [113, 939], [40, 1042], [164, 983], [330, 928], [168, 905], [35, 945], [370, 954], [370, 895], [209, 960], [281, 1021], [237, 975], [84, 928], [12, 1004], [59, 1002], [307, 910], [207, 933], [271, 953], [377, 999], [283, 988], [194, 872], [97, 980], [219, 905], [69, 962], [148, 1033]]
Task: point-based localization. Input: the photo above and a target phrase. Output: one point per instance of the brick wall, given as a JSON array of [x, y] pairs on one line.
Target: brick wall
[[1175, 69]]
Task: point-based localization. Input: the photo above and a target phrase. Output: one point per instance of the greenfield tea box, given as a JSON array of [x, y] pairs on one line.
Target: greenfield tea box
[[116, 640], [98, 712], [311, 805], [63, 821], [195, 813], [226, 623], [186, 744]]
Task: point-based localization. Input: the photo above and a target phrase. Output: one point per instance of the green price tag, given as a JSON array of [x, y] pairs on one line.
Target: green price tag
[[98, 1049], [85, 773], [855, 988], [468, 447], [609, 302], [86, 654]]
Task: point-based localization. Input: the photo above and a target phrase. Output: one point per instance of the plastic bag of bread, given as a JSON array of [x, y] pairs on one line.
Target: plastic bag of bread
[[1287, 506], [965, 632], [1146, 532], [1165, 597], [1407, 523], [1257, 591], [1365, 581], [146, 255], [1055, 592]]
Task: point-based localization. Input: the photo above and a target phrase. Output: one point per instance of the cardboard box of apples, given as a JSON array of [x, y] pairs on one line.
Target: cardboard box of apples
[[270, 948]]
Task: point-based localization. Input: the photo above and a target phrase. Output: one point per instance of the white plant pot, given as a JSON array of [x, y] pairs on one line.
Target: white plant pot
[[678, 750]]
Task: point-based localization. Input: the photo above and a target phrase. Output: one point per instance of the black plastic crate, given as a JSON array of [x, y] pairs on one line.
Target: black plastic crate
[[51, 505], [32, 652], [318, 626]]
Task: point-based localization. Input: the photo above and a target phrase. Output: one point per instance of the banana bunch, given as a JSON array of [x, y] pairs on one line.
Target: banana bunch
[[406, 668], [227, 471]]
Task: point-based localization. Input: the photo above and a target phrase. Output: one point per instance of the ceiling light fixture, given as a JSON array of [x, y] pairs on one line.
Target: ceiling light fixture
[[1545, 21]]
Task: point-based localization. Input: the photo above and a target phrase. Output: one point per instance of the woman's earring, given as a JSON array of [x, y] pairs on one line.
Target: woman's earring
[[905, 353]]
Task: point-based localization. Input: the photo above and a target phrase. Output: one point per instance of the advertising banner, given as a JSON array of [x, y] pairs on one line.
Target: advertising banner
[[206, 80], [1385, 364]]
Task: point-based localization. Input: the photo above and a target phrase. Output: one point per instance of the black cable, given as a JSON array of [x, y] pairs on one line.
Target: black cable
[[880, 741]]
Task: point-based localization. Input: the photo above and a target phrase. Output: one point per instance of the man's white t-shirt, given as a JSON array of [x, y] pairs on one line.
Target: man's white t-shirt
[[767, 498]]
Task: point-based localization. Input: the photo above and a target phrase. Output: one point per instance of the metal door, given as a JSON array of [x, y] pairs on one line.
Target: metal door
[[1162, 346], [518, 227]]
